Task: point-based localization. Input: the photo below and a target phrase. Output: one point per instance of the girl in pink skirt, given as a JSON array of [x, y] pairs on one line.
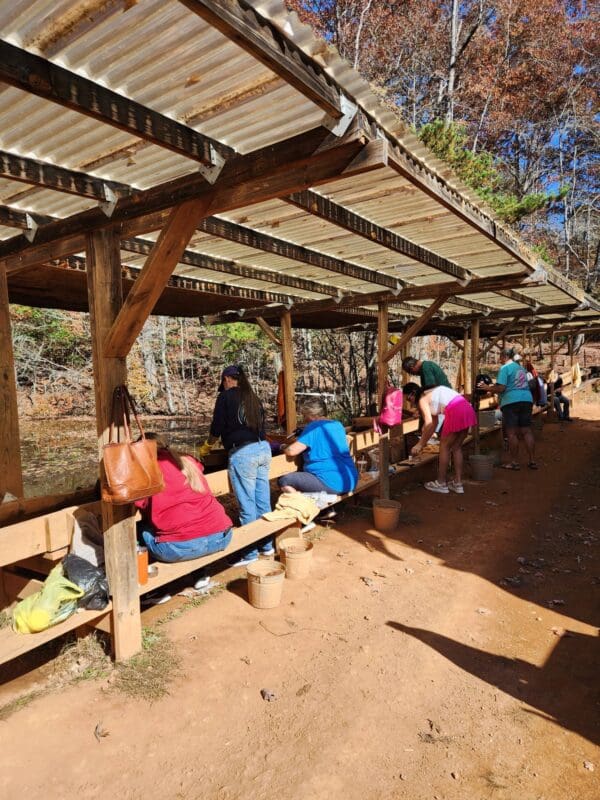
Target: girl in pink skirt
[[458, 418]]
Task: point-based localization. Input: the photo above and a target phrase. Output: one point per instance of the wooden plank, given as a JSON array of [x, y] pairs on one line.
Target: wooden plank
[[307, 159], [289, 378], [245, 26], [151, 282], [41, 173], [11, 475], [268, 331], [105, 301], [13, 645], [326, 209], [34, 537], [270, 244], [414, 329], [36, 75]]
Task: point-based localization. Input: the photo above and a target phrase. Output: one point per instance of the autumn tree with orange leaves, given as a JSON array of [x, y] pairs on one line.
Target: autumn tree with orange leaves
[[514, 81]]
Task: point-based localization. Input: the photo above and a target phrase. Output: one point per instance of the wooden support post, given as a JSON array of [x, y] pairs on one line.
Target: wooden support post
[[524, 337], [289, 379], [382, 378], [105, 301], [474, 371], [11, 476], [572, 364], [465, 362], [404, 353]]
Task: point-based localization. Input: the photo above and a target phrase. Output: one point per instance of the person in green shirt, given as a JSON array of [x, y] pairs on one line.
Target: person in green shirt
[[430, 373]]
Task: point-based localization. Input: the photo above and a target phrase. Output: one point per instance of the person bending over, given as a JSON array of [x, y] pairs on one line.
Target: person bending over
[[328, 465], [458, 418], [430, 373]]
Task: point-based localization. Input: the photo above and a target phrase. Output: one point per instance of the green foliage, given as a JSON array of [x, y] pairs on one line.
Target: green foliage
[[61, 338], [481, 172]]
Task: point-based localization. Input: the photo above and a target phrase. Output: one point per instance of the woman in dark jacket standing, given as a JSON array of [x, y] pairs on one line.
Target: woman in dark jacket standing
[[238, 420]]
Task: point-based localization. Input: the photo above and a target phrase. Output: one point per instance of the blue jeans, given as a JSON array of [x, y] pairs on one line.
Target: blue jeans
[[249, 475], [304, 482], [184, 551]]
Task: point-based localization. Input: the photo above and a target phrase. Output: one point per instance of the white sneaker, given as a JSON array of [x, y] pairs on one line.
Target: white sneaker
[[269, 552], [243, 561], [155, 599], [308, 527], [202, 583], [457, 488], [436, 486]]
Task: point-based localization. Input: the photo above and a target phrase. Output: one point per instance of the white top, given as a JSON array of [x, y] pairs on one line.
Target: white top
[[440, 397]]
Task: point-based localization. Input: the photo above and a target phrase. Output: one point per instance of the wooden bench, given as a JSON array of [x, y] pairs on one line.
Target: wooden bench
[[35, 546]]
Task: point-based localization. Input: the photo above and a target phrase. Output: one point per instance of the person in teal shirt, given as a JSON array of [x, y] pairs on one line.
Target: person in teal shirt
[[516, 403]]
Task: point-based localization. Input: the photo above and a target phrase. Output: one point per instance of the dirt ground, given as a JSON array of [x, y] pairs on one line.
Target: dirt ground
[[465, 668]]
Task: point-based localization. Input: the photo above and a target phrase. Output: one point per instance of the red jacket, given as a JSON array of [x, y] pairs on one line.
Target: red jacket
[[178, 513]]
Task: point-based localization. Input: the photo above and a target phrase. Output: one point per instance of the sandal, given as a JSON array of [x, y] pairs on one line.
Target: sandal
[[512, 466], [532, 465]]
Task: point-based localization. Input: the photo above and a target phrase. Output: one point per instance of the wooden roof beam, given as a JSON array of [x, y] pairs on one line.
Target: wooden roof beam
[[194, 258], [519, 297], [446, 290], [255, 34], [269, 244], [49, 176], [326, 209], [182, 282], [36, 75], [311, 158]]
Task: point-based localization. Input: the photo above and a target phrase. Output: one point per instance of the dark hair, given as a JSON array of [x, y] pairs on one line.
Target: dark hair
[[250, 405], [412, 389], [409, 363]]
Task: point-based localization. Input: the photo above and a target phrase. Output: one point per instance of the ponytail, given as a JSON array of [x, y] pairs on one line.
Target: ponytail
[[250, 405]]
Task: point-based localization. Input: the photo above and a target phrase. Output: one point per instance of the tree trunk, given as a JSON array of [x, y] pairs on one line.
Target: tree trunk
[[162, 325]]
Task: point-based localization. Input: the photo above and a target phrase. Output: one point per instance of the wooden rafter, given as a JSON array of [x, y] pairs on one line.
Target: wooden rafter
[[326, 209], [519, 297], [40, 173], [201, 261], [307, 159], [417, 325], [241, 23], [36, 75], [268, 331], [501, 334], [270, 244], [446, 289]]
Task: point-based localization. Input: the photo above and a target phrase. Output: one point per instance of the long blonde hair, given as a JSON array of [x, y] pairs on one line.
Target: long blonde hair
[[184, 463]]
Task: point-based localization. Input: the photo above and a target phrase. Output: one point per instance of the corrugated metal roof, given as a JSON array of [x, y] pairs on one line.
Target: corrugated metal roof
[[165, 57]]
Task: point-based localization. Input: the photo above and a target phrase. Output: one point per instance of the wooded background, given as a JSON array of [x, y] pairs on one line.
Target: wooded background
[[504, 90]]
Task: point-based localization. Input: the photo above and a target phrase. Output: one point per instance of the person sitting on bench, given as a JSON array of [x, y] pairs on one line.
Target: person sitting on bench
[[185, 520], [562, 404], [328, 465]]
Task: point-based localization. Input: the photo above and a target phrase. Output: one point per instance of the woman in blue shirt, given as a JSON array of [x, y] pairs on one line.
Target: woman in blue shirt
[[328, 465], [516, 403]]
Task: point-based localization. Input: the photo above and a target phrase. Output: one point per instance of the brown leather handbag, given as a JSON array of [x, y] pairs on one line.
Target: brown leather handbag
[[131, 470]]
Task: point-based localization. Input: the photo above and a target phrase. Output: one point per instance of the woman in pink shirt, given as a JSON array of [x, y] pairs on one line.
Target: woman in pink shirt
[[185, 520]]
